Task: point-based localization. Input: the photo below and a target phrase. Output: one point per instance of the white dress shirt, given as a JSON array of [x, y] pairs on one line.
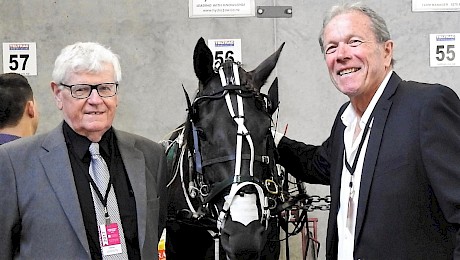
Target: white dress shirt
[[350, 119]]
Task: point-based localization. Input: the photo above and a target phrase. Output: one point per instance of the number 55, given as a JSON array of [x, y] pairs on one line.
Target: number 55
[[450, 52]]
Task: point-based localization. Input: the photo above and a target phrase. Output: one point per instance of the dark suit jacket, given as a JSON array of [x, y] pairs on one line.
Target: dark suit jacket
[[409, 199], [39, 200]]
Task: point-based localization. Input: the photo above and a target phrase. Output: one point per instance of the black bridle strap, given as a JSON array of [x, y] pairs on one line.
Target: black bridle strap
[[261, 158], [235, 87], [244, 92]]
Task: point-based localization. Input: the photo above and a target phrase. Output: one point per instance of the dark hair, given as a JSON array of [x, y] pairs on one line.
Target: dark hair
[[15, 91]]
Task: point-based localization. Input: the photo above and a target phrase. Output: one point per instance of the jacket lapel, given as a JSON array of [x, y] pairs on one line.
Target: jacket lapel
[[134, 162], [337, 152], [336, 177], [380, 115], [55, 160]]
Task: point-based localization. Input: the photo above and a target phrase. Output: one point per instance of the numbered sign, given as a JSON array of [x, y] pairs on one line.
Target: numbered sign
[[20, 57], [223, 49], [445, 49]]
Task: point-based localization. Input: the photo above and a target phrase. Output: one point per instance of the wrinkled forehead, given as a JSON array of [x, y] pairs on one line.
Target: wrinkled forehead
[[347, 25]]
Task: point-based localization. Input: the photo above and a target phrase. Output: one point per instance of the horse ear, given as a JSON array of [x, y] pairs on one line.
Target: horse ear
[[273, 97], [264, 69], [202, 61]]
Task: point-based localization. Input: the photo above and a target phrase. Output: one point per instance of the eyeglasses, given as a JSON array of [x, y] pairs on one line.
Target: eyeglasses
[[82, 91]]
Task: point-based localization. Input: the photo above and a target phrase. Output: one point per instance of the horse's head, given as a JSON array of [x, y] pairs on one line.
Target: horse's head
[[234, 152]]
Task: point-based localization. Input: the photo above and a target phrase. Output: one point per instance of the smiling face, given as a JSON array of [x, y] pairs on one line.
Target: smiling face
[[92, 116], [357, 63]]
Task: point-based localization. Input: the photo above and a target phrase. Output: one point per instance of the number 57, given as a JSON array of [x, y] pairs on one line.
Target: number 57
[[449, 50], [14, 61]]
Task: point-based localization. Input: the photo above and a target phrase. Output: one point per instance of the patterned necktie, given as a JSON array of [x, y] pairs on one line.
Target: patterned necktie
[[100, 173]]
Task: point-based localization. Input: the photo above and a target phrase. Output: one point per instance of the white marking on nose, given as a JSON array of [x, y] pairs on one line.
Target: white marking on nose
[[244, 209]]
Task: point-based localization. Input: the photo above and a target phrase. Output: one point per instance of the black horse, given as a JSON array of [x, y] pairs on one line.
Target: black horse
[[225, 186]]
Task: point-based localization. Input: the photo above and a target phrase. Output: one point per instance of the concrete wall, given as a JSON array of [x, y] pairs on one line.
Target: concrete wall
[[155, 40]]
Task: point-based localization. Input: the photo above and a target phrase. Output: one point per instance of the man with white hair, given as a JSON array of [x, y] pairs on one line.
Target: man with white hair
[[84, 190]]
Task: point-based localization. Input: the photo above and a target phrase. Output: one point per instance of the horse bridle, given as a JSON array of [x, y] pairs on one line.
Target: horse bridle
[[230, 81], [242, 131], [231, 84]]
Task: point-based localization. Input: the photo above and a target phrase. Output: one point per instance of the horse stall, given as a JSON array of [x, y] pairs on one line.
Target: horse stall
[[156, 41]]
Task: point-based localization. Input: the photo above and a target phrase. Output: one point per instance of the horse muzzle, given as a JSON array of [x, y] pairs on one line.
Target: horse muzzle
[[242, 242], [241, 235]]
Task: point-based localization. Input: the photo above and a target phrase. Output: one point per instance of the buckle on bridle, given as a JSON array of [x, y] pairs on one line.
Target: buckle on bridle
[[204, 190], [271, 187], [265, 159]]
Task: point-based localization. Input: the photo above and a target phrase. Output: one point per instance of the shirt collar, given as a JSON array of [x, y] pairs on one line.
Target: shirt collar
[[80, 144], [6, 138], [349, 115]]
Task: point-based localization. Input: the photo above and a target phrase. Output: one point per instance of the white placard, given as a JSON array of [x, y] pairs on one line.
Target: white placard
[[445, 49], [221, 8], [223, 49], [20, 57], [435, 5]]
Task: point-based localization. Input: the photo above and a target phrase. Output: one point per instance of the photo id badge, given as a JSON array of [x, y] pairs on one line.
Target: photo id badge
[[109, 237]]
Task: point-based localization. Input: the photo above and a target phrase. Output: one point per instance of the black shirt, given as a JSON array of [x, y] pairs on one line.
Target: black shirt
[[78, 147]]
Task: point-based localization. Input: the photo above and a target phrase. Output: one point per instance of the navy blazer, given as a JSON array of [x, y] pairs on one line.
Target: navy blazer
[[409, 199], [40, 210]]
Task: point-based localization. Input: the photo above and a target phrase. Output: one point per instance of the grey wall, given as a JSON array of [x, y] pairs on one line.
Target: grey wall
[[155, 40]]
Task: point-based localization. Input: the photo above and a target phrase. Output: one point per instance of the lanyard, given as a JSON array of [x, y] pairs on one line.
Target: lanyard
[[102, 199], [352, 168]]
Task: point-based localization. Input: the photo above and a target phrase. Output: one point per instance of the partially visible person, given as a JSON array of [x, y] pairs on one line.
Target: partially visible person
[[392, 158], [62, 198], [18, 109]]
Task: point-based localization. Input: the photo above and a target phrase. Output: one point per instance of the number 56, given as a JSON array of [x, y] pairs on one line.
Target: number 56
[[219, 59]]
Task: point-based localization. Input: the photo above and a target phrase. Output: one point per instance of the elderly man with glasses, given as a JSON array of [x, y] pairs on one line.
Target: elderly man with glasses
[[84, 190]]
